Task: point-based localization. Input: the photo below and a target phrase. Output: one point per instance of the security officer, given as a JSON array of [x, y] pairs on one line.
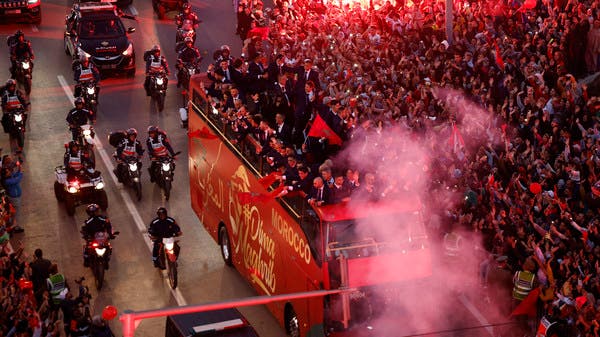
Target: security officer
[[128, 147], [155, 63], [20, 50], [84, 71], [524, 281], [57, 285], [75, 160], [158, 147], [78, 116], [96, 223], [163, 226]]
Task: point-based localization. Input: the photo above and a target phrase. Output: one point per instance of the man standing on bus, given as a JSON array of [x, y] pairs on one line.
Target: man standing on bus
[[319, 194]]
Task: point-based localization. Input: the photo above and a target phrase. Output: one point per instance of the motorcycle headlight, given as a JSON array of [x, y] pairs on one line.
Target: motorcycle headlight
[[18, 117], [91, 90], [129, 50], [169, 246], [133, 167], [191, 71], [87, 133], [159, 81], [73, 188], [100, 251], [99, 186], [166, 167], [25, 65]]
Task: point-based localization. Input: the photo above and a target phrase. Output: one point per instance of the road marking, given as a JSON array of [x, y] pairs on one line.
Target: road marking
[[133, 10], [123, 191], [482, 320], [34, 28]]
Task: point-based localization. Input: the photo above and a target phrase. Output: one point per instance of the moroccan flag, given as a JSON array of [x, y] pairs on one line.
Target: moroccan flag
[[456, 140], [263, 32], [499, 60], [202, 133], [320, 129], [529, 304], [268, 180]]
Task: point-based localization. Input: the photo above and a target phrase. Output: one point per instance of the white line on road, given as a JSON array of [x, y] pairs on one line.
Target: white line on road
[[123, 191], [482, 320], [133, 10], [34, 28]]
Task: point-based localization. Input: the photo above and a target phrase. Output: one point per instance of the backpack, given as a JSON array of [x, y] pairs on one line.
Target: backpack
[[116, 137]]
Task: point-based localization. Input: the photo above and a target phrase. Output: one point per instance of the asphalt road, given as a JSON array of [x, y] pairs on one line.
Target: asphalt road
[[132, 282]]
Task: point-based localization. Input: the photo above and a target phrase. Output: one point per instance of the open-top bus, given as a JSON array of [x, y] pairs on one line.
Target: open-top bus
[[283, 245]]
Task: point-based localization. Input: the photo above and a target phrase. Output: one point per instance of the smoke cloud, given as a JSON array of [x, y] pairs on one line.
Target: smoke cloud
[[431, 167]]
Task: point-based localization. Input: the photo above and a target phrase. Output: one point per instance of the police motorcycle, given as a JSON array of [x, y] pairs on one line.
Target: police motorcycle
[[186, 30], [85, 139], [167, 258], [23, 73], [158, 88], [98, 251], [85, 187], [89, 92], [131, 176], [15, 125], [164, 172]]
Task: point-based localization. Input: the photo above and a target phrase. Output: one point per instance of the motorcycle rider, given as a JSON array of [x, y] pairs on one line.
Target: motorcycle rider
[[12, 99], [187, 14], [155, 63], [79, 116], [75, 160], [128, 147], [158, 147], [96, 223], [163, 226], [84, 71], [188, 55], [19, 49], [223, 54]]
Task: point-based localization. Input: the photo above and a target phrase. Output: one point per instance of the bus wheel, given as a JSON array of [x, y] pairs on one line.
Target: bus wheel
[[292, 326], [225, 245]]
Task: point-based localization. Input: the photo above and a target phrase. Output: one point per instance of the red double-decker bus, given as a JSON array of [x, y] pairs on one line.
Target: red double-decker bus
[[283, 245]]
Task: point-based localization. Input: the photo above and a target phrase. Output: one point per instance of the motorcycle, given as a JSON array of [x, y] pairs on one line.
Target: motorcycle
[[158, 89], [15, 122], [161, 7], [185, 30], [23, 73], [84, 188], [89, 92], [131, 175], [164, 176], [167, 258], [85, 139], [98, 251]]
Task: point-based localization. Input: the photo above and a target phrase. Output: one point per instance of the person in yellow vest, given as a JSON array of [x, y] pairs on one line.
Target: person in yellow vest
[[57, 285], [524, 281]]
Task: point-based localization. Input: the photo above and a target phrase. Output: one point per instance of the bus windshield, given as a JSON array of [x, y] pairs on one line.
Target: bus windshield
[[375, 235]]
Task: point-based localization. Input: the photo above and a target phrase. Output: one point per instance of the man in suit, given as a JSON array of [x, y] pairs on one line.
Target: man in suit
[[235, 99], [305, 73], [319, 194], [304, 183], [239, 75], [283, 130], [257, 74], [340, 190], [226, 71], [281, 95], [276, 69], [305, 102]]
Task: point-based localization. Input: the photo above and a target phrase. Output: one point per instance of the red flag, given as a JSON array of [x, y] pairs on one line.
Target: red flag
[[320, 129], [263, 32], [202, 133], [268, 180], [529, 304], [250, 197], [456, 139], [499, 60]]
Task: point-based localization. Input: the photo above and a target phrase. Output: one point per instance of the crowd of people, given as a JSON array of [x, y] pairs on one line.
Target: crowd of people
[[498, 110]]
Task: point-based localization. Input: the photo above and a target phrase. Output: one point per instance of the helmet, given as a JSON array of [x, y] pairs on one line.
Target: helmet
[[73, 144], [11, 82], [79, 100], [92, 209], [19, 33], [155, 48], [225, 48], [189, 39], [152, 128], [186, 7], [161, 210], [83, 58], [131, 131]]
